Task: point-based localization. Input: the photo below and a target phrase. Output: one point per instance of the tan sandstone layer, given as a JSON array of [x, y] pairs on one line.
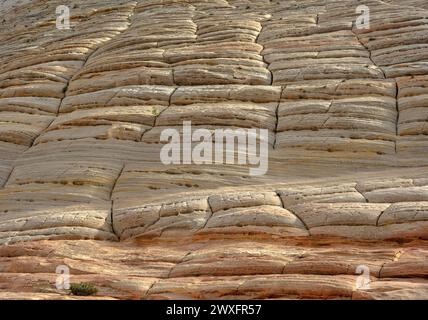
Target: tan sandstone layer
[[81, 182]]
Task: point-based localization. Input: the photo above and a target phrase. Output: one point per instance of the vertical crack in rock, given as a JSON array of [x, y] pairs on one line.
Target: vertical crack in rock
[[169, 106], [398, 115], [361, 193], [276, 124], [380, 215], [368, 50], [262, 55], [47, 127], [112, 202], [297, 216], [8, 177], [155, 121], [379, 276], [277, 116], [151, 287], [175, 266], [209, 216]]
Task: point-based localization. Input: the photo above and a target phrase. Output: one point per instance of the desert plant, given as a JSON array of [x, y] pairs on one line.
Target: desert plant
[[83, 289]]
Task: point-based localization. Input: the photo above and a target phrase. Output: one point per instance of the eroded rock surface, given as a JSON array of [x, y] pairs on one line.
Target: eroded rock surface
[[346, 111]]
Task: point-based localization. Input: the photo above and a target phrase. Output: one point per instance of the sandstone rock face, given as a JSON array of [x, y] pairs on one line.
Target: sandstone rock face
[[82, 184]]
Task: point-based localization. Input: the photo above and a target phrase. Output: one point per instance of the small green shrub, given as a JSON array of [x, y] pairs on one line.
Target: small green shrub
[[83, 289]]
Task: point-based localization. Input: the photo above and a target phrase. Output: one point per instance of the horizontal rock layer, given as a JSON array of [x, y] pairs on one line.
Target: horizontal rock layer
[[345, 109], [245, 267]]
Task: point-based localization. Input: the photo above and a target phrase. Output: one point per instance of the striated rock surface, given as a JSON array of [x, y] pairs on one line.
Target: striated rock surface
[[82, 184]]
